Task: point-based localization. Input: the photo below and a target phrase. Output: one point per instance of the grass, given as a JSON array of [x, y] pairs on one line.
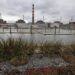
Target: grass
[[18, 51], [51, 49], [68, 49]]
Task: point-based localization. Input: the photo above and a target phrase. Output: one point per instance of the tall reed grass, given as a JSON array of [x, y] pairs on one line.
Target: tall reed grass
[[19, 51], [16, 49], [69, 49], [51, 49]]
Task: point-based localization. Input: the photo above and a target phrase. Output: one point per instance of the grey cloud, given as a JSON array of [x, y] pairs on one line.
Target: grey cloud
[[48, 8]]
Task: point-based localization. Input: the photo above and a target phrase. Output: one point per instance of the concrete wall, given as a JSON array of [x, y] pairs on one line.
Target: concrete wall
[[55, 24], [42, 25], [23, 25]]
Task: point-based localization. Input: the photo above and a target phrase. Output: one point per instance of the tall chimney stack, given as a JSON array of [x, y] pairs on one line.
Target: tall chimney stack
[[32, 13]]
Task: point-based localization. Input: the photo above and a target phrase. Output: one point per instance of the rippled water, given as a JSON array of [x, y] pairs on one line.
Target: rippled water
[[40, 37]]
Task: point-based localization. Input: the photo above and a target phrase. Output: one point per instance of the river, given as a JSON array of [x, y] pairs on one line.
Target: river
[[67, 36]]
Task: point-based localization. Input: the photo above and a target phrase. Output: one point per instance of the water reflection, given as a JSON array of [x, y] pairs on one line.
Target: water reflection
[[38, 36]]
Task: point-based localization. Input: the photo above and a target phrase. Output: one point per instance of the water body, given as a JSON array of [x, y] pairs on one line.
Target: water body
[[40, 37]]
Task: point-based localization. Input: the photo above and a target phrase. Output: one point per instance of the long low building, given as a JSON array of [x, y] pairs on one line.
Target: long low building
[[8, 25]]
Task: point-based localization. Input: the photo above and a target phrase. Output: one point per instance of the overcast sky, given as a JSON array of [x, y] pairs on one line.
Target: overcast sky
[[52, 10]]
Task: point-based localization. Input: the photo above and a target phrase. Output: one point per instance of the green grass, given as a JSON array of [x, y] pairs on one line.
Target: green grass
[[51, 49], [18, 51], [69, 49]]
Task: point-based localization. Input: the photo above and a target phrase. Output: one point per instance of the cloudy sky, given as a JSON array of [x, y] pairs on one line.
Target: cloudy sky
[[52, 10]]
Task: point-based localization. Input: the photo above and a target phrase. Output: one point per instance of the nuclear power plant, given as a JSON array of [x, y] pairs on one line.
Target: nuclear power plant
[[20, 23]]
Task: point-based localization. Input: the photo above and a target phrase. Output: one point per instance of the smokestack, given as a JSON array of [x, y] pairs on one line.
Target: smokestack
[[32, 13]]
